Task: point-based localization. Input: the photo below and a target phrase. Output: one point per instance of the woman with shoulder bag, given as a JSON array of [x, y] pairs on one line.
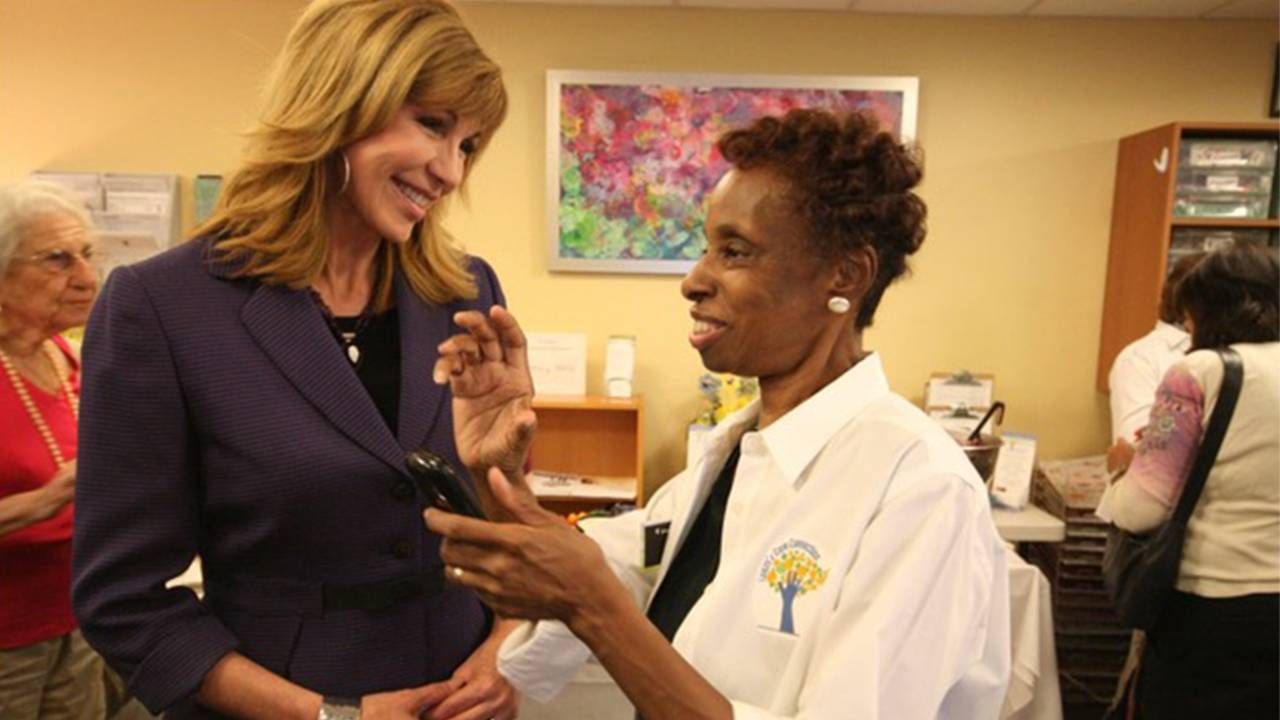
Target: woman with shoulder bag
[[1212, 649]]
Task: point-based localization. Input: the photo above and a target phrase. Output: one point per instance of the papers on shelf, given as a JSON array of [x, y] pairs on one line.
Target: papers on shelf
[[958, 421], [961, 389], [87, 185], [116, 249], [136, 214], [1080, 481], [558, 362], [568, 485]]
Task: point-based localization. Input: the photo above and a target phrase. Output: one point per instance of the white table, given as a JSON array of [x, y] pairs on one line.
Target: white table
[[1030, 524]]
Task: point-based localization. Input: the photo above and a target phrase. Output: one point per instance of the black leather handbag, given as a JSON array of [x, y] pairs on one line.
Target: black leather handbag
[[1139, 571]]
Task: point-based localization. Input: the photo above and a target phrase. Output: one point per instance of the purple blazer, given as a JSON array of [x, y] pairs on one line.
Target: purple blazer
[[220, 417]]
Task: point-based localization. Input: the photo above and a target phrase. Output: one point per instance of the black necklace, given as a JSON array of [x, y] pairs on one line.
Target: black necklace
[[346, 330]]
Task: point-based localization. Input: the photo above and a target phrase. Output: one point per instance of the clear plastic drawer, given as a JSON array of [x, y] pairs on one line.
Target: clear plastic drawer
[[1219, 153], [1199, 181], [1221, 205], [1187, 241]]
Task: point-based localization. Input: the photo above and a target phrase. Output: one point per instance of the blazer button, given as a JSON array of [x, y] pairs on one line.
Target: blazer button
[[402, 490], [402, 549]]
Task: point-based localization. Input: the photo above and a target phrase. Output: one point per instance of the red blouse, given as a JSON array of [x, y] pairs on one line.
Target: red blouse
[[35, 562]]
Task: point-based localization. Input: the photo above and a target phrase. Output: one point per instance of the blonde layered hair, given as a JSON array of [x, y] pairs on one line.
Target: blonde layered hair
[[346, 68]]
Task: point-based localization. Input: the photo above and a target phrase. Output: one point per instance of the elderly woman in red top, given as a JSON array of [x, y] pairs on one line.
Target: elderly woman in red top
[[47, 285]]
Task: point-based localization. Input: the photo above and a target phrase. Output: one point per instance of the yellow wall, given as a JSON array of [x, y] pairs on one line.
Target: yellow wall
[[1019, 119]]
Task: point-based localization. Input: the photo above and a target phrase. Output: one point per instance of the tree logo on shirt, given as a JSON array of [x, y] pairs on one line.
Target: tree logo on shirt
[[791, 570]]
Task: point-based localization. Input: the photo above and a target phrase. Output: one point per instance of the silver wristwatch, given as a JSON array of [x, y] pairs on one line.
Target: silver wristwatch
[[339, 708]]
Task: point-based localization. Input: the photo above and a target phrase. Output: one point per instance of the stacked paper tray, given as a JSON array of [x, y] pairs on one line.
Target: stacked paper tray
[[1077, 483], [1091, 643]]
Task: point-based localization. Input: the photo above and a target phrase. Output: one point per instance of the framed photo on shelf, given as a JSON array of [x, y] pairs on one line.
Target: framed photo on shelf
[[630, 156]]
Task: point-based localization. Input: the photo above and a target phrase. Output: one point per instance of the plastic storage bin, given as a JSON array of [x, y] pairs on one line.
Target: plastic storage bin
[[1219, 153], [1195, 180], [1221, 205], [1186, 241], [1219, 178]]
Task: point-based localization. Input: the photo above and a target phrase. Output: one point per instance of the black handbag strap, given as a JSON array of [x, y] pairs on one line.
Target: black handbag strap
[[1228, 393]]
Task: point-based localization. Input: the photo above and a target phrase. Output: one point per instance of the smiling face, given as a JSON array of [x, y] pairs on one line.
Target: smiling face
[[49, 285], [759, 294], [399, 172]]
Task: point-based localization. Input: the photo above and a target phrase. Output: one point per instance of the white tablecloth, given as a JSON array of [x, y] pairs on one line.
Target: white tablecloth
[[1033, 690]]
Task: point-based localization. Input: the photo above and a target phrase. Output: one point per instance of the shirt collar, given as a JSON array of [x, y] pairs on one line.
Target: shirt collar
[[729, 430], [1174, 336], [795, 439]]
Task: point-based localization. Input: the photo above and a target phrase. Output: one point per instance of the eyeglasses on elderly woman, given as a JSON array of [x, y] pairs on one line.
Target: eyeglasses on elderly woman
[[60, 260]]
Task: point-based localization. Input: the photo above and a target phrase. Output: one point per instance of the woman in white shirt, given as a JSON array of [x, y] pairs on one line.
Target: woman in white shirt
[[1215, 652], [1138, 369], [833, 554]]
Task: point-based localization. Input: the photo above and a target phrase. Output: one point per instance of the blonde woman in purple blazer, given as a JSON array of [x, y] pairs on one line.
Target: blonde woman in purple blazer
[[249, 398]]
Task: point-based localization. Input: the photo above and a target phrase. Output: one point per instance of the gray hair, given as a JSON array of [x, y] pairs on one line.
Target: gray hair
[[26, 200]]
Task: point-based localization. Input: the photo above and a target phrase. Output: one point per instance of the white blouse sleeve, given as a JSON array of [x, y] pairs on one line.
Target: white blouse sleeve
[[540, 658]]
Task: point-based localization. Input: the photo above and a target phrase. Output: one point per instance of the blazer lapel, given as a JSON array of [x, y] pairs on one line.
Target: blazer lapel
[[422, 328], [290, 329]]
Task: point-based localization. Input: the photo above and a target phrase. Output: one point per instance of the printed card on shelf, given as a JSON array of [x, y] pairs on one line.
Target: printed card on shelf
[[571, 485], [558, 362], [1011, 480]]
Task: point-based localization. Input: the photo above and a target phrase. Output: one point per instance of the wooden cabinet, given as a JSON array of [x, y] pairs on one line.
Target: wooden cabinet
[[596, 437], [1151, 215]]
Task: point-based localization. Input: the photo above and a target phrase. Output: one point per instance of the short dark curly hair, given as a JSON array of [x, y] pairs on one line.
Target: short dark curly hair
[[1233, 296], [849, 181]]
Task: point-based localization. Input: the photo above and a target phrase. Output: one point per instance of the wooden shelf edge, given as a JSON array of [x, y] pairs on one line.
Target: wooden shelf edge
[[1265, 129], [585, 402], [1242, 223]]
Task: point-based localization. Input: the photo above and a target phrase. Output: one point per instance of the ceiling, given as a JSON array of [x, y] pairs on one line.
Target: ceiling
[[1192, 9]]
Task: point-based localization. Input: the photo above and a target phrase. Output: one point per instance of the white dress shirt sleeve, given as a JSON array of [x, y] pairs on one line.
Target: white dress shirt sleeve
[[921, 628], [1133, 381], [540, 658]]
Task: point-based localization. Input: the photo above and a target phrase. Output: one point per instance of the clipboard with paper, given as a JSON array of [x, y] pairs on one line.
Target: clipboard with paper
[[962, 389]]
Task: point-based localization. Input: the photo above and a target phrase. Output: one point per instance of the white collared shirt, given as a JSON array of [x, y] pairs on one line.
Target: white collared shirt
[[897, 605], [1137, 372]]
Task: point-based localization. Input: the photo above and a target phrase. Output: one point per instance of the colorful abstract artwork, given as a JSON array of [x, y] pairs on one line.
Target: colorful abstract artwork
[[631, 157]]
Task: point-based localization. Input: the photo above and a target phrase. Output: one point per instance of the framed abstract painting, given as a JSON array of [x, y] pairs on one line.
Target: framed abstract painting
[[630, 156]]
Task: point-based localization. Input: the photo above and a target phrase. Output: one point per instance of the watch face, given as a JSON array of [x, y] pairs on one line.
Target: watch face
[[339, 709]]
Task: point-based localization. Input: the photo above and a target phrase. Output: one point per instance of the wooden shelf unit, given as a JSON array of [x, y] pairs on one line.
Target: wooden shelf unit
[[1142, 222], [592, 436], [1245, 223]]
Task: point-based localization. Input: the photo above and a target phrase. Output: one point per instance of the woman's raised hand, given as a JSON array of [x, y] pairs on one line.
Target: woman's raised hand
[[487, 368]]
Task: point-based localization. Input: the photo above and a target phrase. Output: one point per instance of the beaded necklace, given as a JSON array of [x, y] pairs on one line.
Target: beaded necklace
[[37, 419]]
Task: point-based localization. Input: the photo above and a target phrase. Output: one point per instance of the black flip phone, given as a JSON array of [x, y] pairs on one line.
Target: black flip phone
[[440, 486]]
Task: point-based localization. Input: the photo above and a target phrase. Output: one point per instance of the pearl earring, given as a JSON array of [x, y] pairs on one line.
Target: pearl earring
[[838, 305]]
